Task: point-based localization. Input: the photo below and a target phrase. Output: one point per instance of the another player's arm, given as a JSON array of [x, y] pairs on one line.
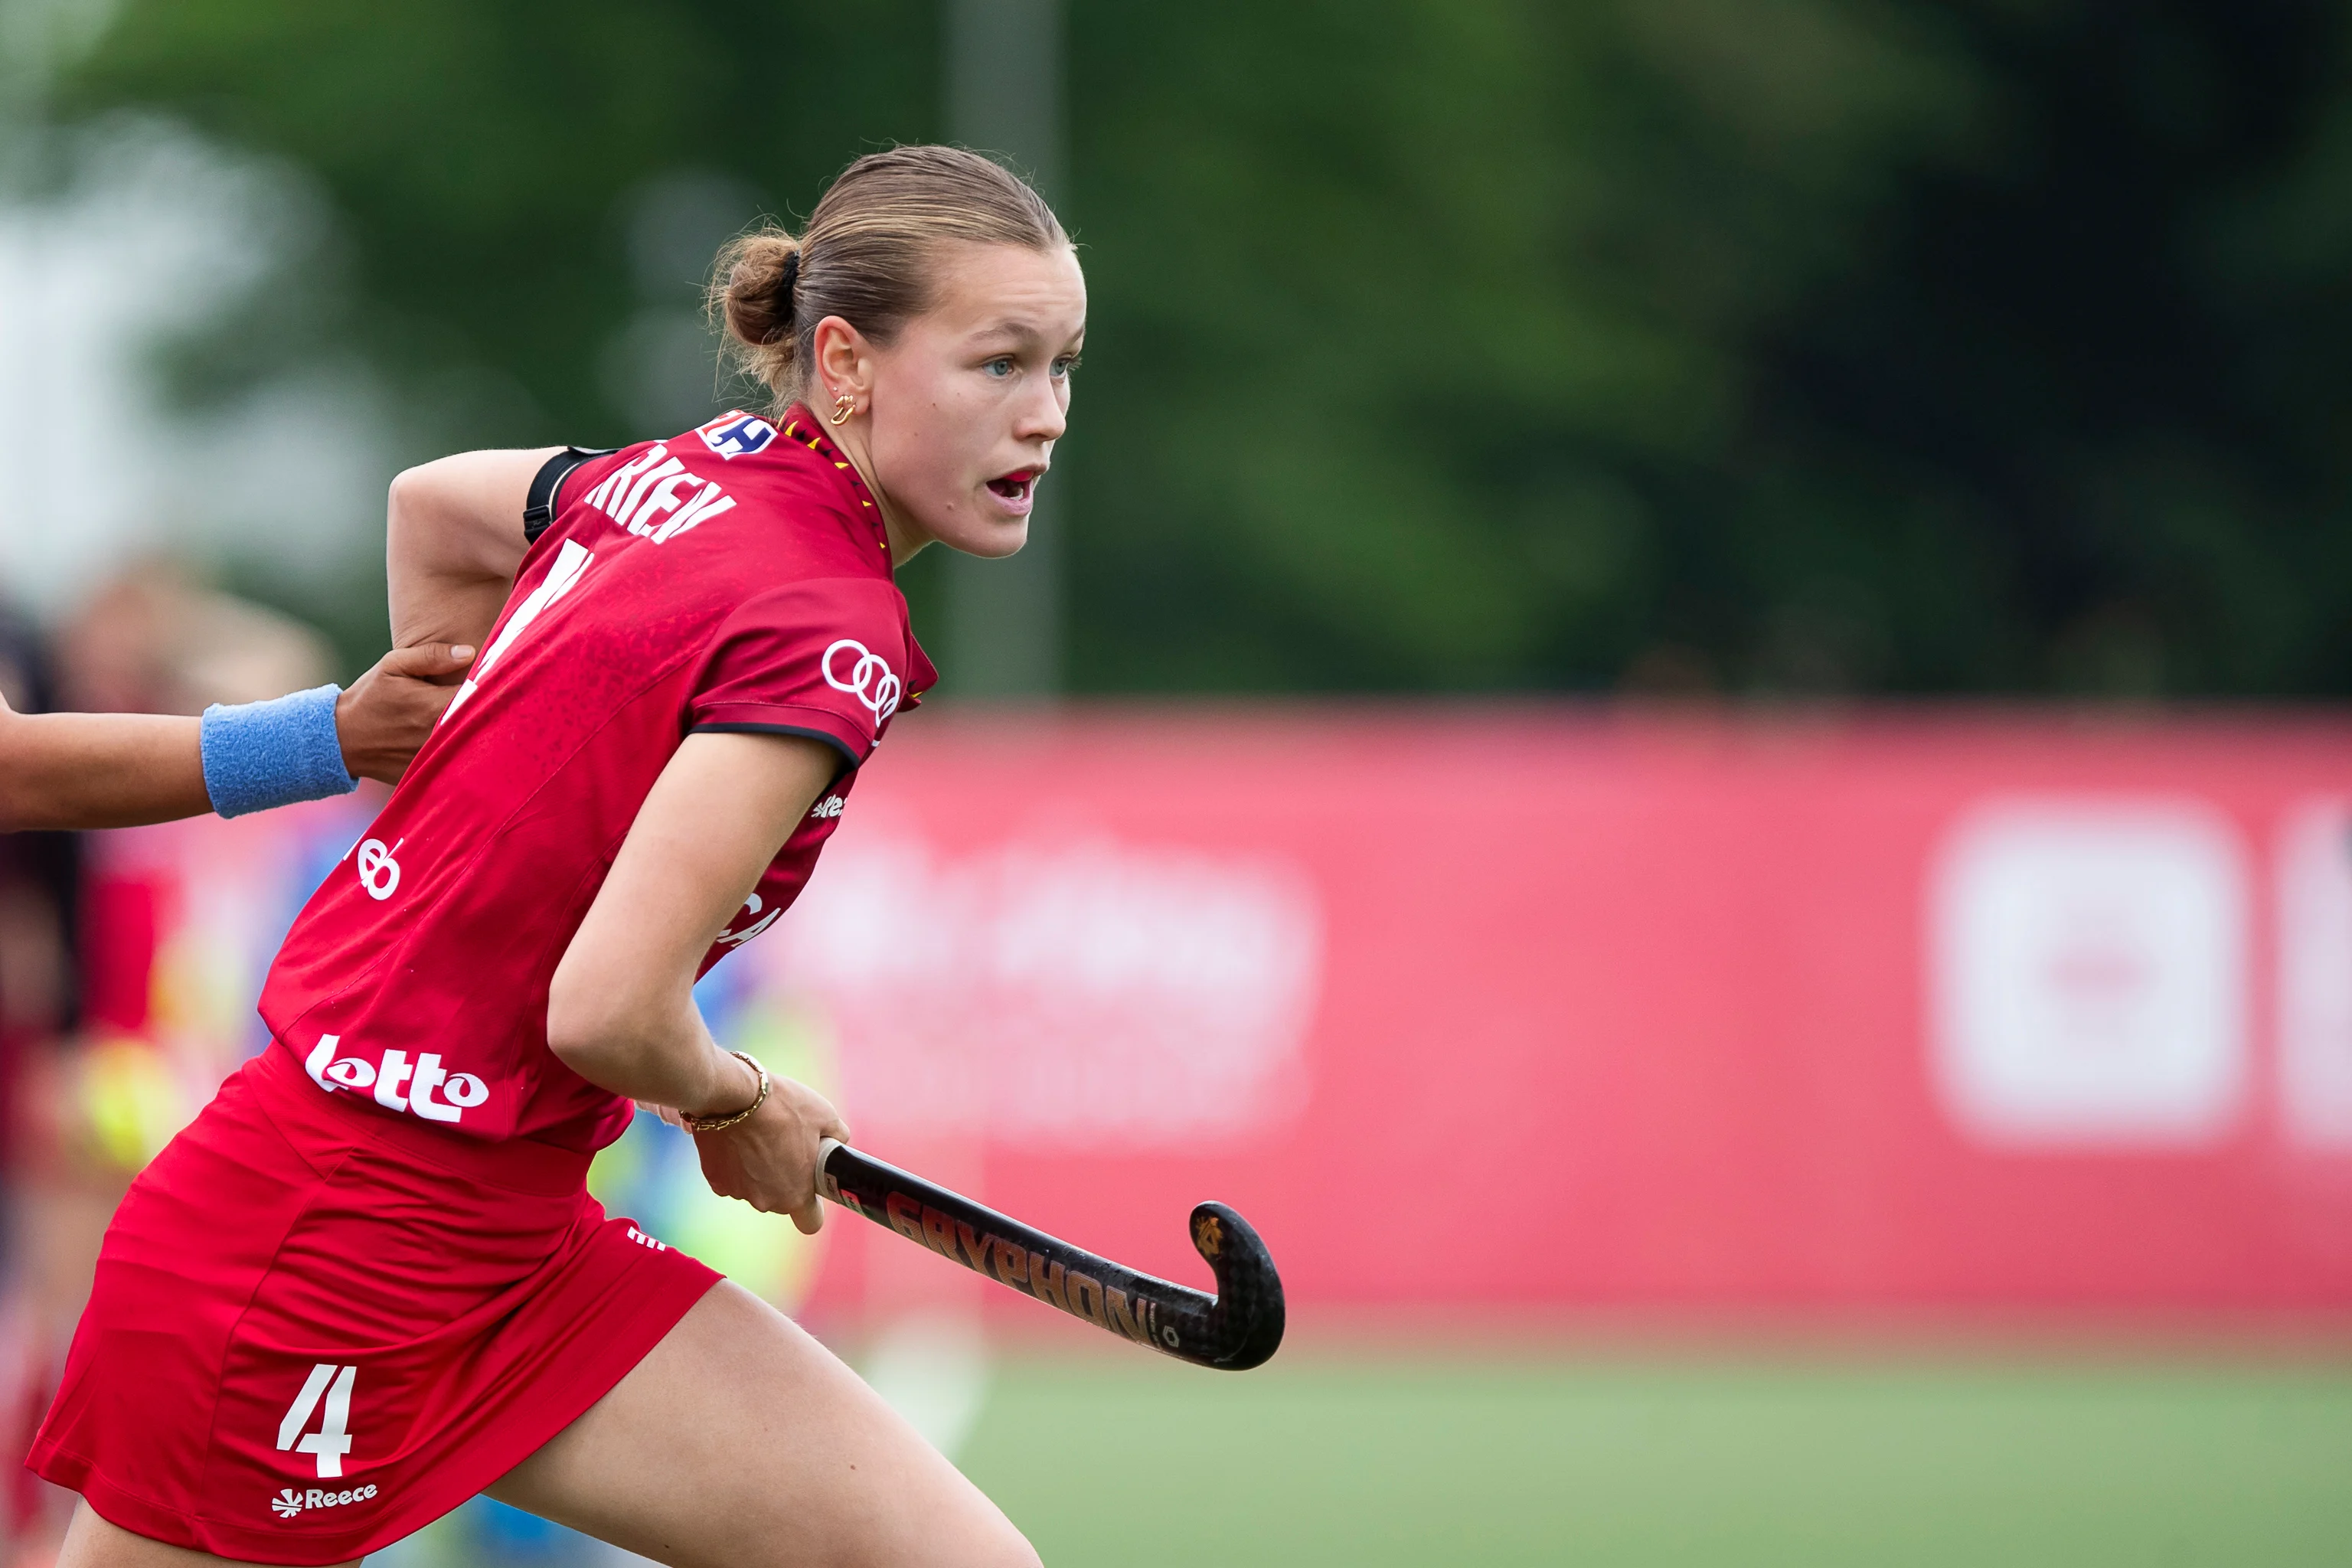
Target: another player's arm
[[64, 771], [98, 770], [621, 1012], [453, 538]]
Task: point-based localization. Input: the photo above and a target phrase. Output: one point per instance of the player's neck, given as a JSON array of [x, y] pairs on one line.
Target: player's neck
[[905, 540]]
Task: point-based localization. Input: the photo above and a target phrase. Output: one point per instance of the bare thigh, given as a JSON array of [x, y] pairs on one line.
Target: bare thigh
[[93, 1542], [740, 1442]]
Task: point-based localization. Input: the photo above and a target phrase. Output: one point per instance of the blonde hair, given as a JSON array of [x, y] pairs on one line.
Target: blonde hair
[[869, 255]]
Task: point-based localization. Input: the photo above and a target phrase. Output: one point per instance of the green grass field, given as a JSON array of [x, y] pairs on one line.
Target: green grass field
[[1691, 1460]]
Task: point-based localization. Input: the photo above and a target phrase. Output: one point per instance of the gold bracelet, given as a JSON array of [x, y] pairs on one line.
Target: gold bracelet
[[693, 1124]]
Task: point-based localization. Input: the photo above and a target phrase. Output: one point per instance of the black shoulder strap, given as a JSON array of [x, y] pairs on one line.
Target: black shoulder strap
[[547, 487]]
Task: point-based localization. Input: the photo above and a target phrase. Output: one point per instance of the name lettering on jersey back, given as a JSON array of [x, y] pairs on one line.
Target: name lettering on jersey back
[[653, 496], [398, 1083]]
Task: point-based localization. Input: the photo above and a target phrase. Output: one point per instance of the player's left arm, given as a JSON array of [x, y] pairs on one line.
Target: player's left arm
[[453, 539]]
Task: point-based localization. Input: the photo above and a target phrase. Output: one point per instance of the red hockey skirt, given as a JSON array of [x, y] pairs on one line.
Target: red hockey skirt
[[316, 1329]]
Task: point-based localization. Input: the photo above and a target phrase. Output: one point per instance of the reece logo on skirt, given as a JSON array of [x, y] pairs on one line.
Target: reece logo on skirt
[[289, 1503]]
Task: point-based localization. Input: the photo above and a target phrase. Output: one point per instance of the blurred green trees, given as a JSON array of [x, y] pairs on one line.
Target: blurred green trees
[[1879, 345]]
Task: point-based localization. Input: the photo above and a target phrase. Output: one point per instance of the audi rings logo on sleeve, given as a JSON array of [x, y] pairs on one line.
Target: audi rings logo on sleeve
[[850, 667]]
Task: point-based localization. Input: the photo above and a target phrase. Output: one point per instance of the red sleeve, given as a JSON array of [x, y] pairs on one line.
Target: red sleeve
[[825, 659]]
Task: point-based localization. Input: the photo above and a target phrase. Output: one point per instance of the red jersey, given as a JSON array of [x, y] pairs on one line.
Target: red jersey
[[734, 578]]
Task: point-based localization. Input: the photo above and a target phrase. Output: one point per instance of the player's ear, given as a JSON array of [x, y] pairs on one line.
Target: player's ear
[[844, 363]]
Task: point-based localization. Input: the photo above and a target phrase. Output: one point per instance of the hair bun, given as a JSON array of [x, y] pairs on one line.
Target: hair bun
[[761, 273]]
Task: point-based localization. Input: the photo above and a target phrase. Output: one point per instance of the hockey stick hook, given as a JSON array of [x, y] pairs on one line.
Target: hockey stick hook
[[1238, 1327]]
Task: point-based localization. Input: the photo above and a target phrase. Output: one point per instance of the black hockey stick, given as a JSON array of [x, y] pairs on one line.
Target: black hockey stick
[[1238, 1327]]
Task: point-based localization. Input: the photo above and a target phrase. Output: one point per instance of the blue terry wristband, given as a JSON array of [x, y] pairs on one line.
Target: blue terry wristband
[[261, 755]]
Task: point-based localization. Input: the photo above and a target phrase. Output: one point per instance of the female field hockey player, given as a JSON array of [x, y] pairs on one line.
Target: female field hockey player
[[119, 770], [368, 1282]]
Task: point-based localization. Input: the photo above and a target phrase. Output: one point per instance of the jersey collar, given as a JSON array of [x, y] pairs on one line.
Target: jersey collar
[[802, 427]]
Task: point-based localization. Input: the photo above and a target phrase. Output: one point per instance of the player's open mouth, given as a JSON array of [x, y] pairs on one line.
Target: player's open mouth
[[1017, 485]]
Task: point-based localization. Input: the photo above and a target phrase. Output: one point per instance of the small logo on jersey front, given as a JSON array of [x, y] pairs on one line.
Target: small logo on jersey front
[[850, 667], [289, 1503], [396, 1083], [830, 807], [378, 872], [737, 435]]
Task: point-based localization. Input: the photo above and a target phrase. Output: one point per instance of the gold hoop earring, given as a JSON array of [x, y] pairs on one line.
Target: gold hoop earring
[[843, 407]]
